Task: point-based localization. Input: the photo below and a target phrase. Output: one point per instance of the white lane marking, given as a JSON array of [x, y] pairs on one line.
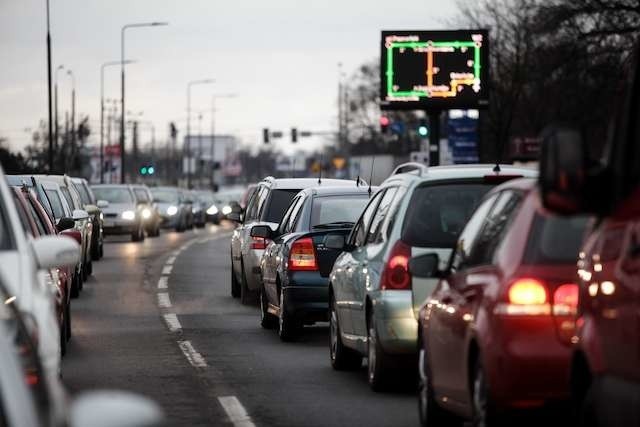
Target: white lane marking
[[235, 411], [163, 300], [172, 322], [170, 260], [166, 270], [192, 355], [163, 282]]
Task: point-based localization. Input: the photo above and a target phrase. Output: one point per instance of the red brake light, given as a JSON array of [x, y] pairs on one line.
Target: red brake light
[[259, 243], [396, 273], [303, 255], [527, 292], [565, 299]]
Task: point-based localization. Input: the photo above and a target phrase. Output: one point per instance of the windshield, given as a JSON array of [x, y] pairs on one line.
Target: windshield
[[84, 194], [555, 240], [165, 196], [277, 205], [113, 194], [56, 203], [337, 209], [437, 213]]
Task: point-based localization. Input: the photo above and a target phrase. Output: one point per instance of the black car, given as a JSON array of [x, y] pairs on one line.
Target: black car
[[296, 265]]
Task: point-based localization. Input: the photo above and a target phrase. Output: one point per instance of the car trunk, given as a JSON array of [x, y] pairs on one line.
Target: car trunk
[[326, 257]]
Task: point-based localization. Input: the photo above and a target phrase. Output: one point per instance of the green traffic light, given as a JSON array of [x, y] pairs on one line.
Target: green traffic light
[[423, 131], [143, 171], [151, 170]]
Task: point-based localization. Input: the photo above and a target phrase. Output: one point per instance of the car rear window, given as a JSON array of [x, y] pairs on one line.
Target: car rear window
[[277, 205], [165, 196], [141, 195], [56, 203], [337, 209], [438, 213], [113, 194], [555, 240], [84, 195]]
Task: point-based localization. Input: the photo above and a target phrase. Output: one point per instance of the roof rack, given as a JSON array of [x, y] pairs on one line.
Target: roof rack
[[411, 167]]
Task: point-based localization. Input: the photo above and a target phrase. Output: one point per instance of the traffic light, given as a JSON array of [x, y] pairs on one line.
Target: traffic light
[[294, 135], [423, 130], [143, 170], [147, 170], [384, 124], [265, 135], [151, 170]]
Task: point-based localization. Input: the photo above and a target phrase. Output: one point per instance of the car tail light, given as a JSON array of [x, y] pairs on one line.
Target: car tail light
[[259, 243], [302, 256], [396, 272], [565, 300], [526, 297]]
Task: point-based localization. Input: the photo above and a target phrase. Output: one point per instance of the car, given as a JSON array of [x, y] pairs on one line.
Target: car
[[123, 215], [374, 301], [84, 225], [267, 207], [148, 209], [198, 209], [33, 183], [208, 200], [36, 223], [605, 373], [506, 303], [94, 208], [296, 265], [174, 210], [23, 260], [228, 201]]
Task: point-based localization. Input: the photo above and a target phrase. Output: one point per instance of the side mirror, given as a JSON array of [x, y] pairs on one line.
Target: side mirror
[[65, 223], [102, 204], [55, 251], [79, 215], [263, 231], [563, 170], [234, 216], [111, 408], [425, 266], [334, 241]]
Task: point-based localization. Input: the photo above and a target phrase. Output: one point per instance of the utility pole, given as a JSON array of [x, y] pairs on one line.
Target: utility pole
[[188, 135], [49, 90], [74, 148]]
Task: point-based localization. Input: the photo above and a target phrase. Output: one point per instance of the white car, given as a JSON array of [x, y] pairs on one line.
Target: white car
[[22, 261]]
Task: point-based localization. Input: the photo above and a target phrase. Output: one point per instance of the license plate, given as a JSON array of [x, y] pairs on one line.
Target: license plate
[[107, 223]]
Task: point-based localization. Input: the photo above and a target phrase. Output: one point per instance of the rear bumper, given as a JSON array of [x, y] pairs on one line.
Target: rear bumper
[[396, 323], [308, 300], [120, 227]]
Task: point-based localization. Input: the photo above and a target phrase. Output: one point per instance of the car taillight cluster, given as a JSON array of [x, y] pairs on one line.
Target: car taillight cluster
[[396, 272], [302, 256], [259, 243]]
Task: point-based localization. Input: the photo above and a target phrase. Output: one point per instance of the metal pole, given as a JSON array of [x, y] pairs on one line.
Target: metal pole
[[199, 166], [213, 139], [49, 91], [122, 118], [188, 136], [434, 137], [73, 116], [102, 124], [56, 137]]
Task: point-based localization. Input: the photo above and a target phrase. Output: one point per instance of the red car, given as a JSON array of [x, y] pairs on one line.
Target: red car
[[37, 223], [495, 334], [605, 368]]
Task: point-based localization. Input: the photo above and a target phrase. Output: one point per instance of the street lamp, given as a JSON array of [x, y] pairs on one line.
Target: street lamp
[[56, 128], [213, 125], [49, 91], [122, 89], [106, 64], [191, 83], [73, 110]]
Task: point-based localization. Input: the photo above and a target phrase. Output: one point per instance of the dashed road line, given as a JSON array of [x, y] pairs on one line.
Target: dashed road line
[[163, 282], [166, 270], [170, 260], [235, 411], [192, 355], [163, 300], [172, 322]]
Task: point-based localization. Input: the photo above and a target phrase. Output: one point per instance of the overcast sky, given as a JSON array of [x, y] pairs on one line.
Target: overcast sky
[[279, 56]]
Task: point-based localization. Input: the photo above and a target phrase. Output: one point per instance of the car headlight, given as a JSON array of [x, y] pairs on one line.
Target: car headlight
[[227, 210], [129, 215], [146, 213], [172, 210], [101, 216], [212, 210]]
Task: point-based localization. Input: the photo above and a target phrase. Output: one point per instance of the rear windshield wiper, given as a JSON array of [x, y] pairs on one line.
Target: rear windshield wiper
[[337, 224]]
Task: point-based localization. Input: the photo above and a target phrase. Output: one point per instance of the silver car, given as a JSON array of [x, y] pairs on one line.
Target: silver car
[[374, 301], [267, 206], [123, 215]]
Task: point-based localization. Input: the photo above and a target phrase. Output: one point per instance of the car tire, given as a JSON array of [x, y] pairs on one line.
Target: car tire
[[138, 235], [378, 365], [235, 285], [289, 327], [342, 357], [101, 250], [247, 297], [430, 413], [267, 320], [85, 272], [483, 413], [90, 268]]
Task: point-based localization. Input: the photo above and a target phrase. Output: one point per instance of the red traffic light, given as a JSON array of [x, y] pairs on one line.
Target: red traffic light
[[384, 121]]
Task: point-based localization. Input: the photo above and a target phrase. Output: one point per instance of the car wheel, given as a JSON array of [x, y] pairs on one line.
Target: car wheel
[[81, 278], [483, 413], [247, 297], [431, 414], [90, 268], [138, 235], [101, 250], [75, 287], [235, 286], [85, 272], [378, 369], [289, 328], [342, 358], [267, 320]]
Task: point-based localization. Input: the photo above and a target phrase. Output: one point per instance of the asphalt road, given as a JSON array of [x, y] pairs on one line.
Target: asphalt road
[[157, 318]]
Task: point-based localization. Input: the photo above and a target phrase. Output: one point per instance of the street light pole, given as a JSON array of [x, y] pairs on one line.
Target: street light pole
[[73, 115], [49, 91], [56, 124], [213, 129], [106, 64], [188, 136], [122, 91]]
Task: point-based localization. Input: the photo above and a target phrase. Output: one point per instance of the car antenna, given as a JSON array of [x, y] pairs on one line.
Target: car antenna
[[496, 168], [373, 162], [320, 175], [358, 181]]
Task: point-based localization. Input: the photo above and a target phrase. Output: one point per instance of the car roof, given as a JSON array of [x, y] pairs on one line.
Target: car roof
[[438, 173], [339, 190], [524, 184], [302, 183]]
